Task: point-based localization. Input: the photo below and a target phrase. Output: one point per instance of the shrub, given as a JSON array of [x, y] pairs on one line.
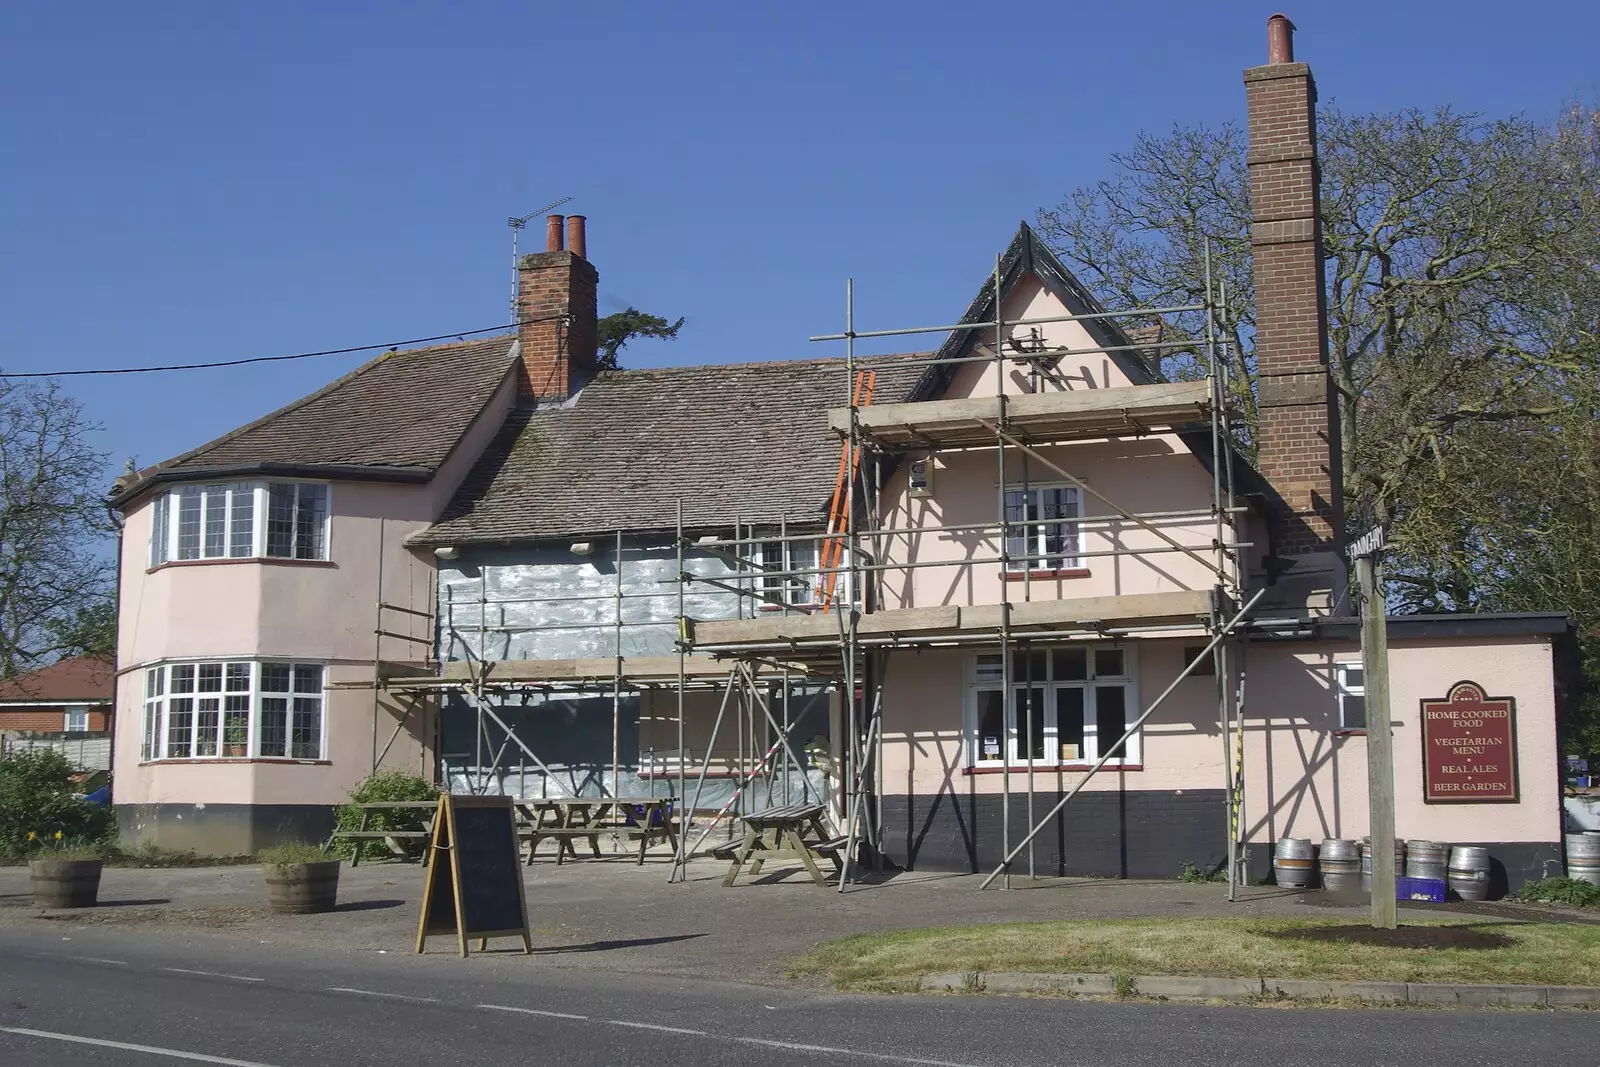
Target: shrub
[[1562, 891], [37, 797], [385, 785], [290, 855], [1191, 873]]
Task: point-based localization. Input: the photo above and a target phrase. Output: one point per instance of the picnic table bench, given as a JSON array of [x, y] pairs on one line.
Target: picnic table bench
[[392, 838], [568, 819], [794, 831]]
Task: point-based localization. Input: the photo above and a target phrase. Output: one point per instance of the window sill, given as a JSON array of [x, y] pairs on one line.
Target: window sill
[[1076, 765], [1069, 572], [271, 561], [1351, 731], [209, 760]]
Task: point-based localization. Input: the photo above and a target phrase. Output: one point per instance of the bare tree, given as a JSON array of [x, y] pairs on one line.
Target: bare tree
[[1463, 291], [56, 570]]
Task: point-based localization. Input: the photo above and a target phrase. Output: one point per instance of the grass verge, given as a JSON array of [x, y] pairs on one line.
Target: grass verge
[[1521, 953]]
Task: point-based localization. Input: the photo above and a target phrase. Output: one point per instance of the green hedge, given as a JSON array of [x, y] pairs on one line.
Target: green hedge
[[37, 797], [385, 785]]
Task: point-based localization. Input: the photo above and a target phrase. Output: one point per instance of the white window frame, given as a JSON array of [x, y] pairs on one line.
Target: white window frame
[[1345, 689], [982, 679], [79, 714], [1028, 546], [191, 710], [237, 502], [798, 590]]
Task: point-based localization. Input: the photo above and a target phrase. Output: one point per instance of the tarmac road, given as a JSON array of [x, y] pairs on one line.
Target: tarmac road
[[109, 996]]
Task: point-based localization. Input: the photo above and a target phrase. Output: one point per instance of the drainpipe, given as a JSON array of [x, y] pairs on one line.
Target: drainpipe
[[116, 647]]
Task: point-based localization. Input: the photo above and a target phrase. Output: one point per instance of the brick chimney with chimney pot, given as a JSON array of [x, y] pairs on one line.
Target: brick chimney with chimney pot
[[557, 313], [1297, 434]]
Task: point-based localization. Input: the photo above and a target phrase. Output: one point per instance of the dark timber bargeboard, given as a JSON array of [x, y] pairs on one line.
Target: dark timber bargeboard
[[478, 892]]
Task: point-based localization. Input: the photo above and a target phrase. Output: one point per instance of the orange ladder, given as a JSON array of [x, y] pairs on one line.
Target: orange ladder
[[833, 546]]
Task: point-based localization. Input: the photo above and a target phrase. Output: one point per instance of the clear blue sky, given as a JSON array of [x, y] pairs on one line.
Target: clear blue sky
[[196, 181]]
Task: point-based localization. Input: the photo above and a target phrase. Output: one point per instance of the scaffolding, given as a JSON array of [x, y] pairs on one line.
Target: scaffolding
[[752, 746], [844, 636], [861, 634]]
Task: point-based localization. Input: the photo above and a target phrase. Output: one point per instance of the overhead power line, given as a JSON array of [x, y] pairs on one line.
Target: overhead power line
[[271, 359]]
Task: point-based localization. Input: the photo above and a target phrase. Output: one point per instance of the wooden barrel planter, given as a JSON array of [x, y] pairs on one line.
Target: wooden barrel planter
[[1294, 862], [65, 883], [302, 888], [1583, 857], [1340, 864]]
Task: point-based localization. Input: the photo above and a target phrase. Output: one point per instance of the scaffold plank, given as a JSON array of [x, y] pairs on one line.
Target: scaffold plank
[[914, 624], [1124, 411]]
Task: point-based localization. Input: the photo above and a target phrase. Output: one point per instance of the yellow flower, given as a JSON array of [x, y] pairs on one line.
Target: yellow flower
[[32, 836], [58, 835]]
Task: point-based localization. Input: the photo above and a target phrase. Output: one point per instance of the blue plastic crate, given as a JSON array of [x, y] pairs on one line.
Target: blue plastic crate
[[1431, 890]]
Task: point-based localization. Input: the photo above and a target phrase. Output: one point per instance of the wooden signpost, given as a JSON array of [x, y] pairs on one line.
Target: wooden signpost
[[1363, 553], [474, 886]]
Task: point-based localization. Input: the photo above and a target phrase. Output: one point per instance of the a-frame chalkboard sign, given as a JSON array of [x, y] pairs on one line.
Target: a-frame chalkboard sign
[[474, 886]]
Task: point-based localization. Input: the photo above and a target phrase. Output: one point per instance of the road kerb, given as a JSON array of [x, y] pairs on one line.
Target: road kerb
[[1327, 989], [1091, 985], [1194, 987]]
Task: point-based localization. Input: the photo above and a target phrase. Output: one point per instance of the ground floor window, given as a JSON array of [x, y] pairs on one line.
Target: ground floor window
[[1067, 704], [233, 709]]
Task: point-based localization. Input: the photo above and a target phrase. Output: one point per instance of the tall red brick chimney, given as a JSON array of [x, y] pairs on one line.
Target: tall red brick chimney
[[1298, 432], [557, 313]]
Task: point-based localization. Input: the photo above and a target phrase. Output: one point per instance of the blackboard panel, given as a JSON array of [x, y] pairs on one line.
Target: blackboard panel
[[441, 893], [485, 845]]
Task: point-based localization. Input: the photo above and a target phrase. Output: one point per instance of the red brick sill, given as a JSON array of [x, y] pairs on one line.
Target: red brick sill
[[271, 561], [206, 761], [1046, 768], [1045, 576]]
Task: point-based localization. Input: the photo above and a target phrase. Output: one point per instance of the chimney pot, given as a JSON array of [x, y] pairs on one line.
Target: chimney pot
[[577, 236], [552, 233], [1280, 39]]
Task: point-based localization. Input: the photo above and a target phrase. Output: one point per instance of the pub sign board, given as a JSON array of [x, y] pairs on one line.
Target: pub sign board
[[1469, 747]]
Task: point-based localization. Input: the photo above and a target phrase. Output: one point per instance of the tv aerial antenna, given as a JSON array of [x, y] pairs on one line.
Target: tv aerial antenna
[[517, 223]]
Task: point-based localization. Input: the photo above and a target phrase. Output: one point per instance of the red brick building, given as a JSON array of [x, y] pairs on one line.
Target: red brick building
[[71, 696]]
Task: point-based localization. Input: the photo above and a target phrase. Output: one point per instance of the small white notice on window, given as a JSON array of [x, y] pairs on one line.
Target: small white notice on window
[[991, 748]]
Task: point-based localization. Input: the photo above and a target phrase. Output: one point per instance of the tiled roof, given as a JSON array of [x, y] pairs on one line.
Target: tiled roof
[[742, 442], [84, 678], [399, 414]]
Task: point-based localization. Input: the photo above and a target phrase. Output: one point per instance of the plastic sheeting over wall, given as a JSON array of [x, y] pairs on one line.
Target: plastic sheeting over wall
[[545, 602]]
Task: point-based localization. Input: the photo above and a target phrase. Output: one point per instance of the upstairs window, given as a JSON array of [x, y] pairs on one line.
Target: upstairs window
[[1350, 683], [781, 585], [77, 720], [225, 521], [1033, 542]]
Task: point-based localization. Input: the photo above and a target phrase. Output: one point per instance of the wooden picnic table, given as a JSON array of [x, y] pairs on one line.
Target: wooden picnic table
[[794, 831], [392, 838], [566, 819]]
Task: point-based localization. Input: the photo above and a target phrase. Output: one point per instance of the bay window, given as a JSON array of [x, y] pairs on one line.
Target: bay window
[[234, 709], [1033, 542], [240, 520], [1066, 705]]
